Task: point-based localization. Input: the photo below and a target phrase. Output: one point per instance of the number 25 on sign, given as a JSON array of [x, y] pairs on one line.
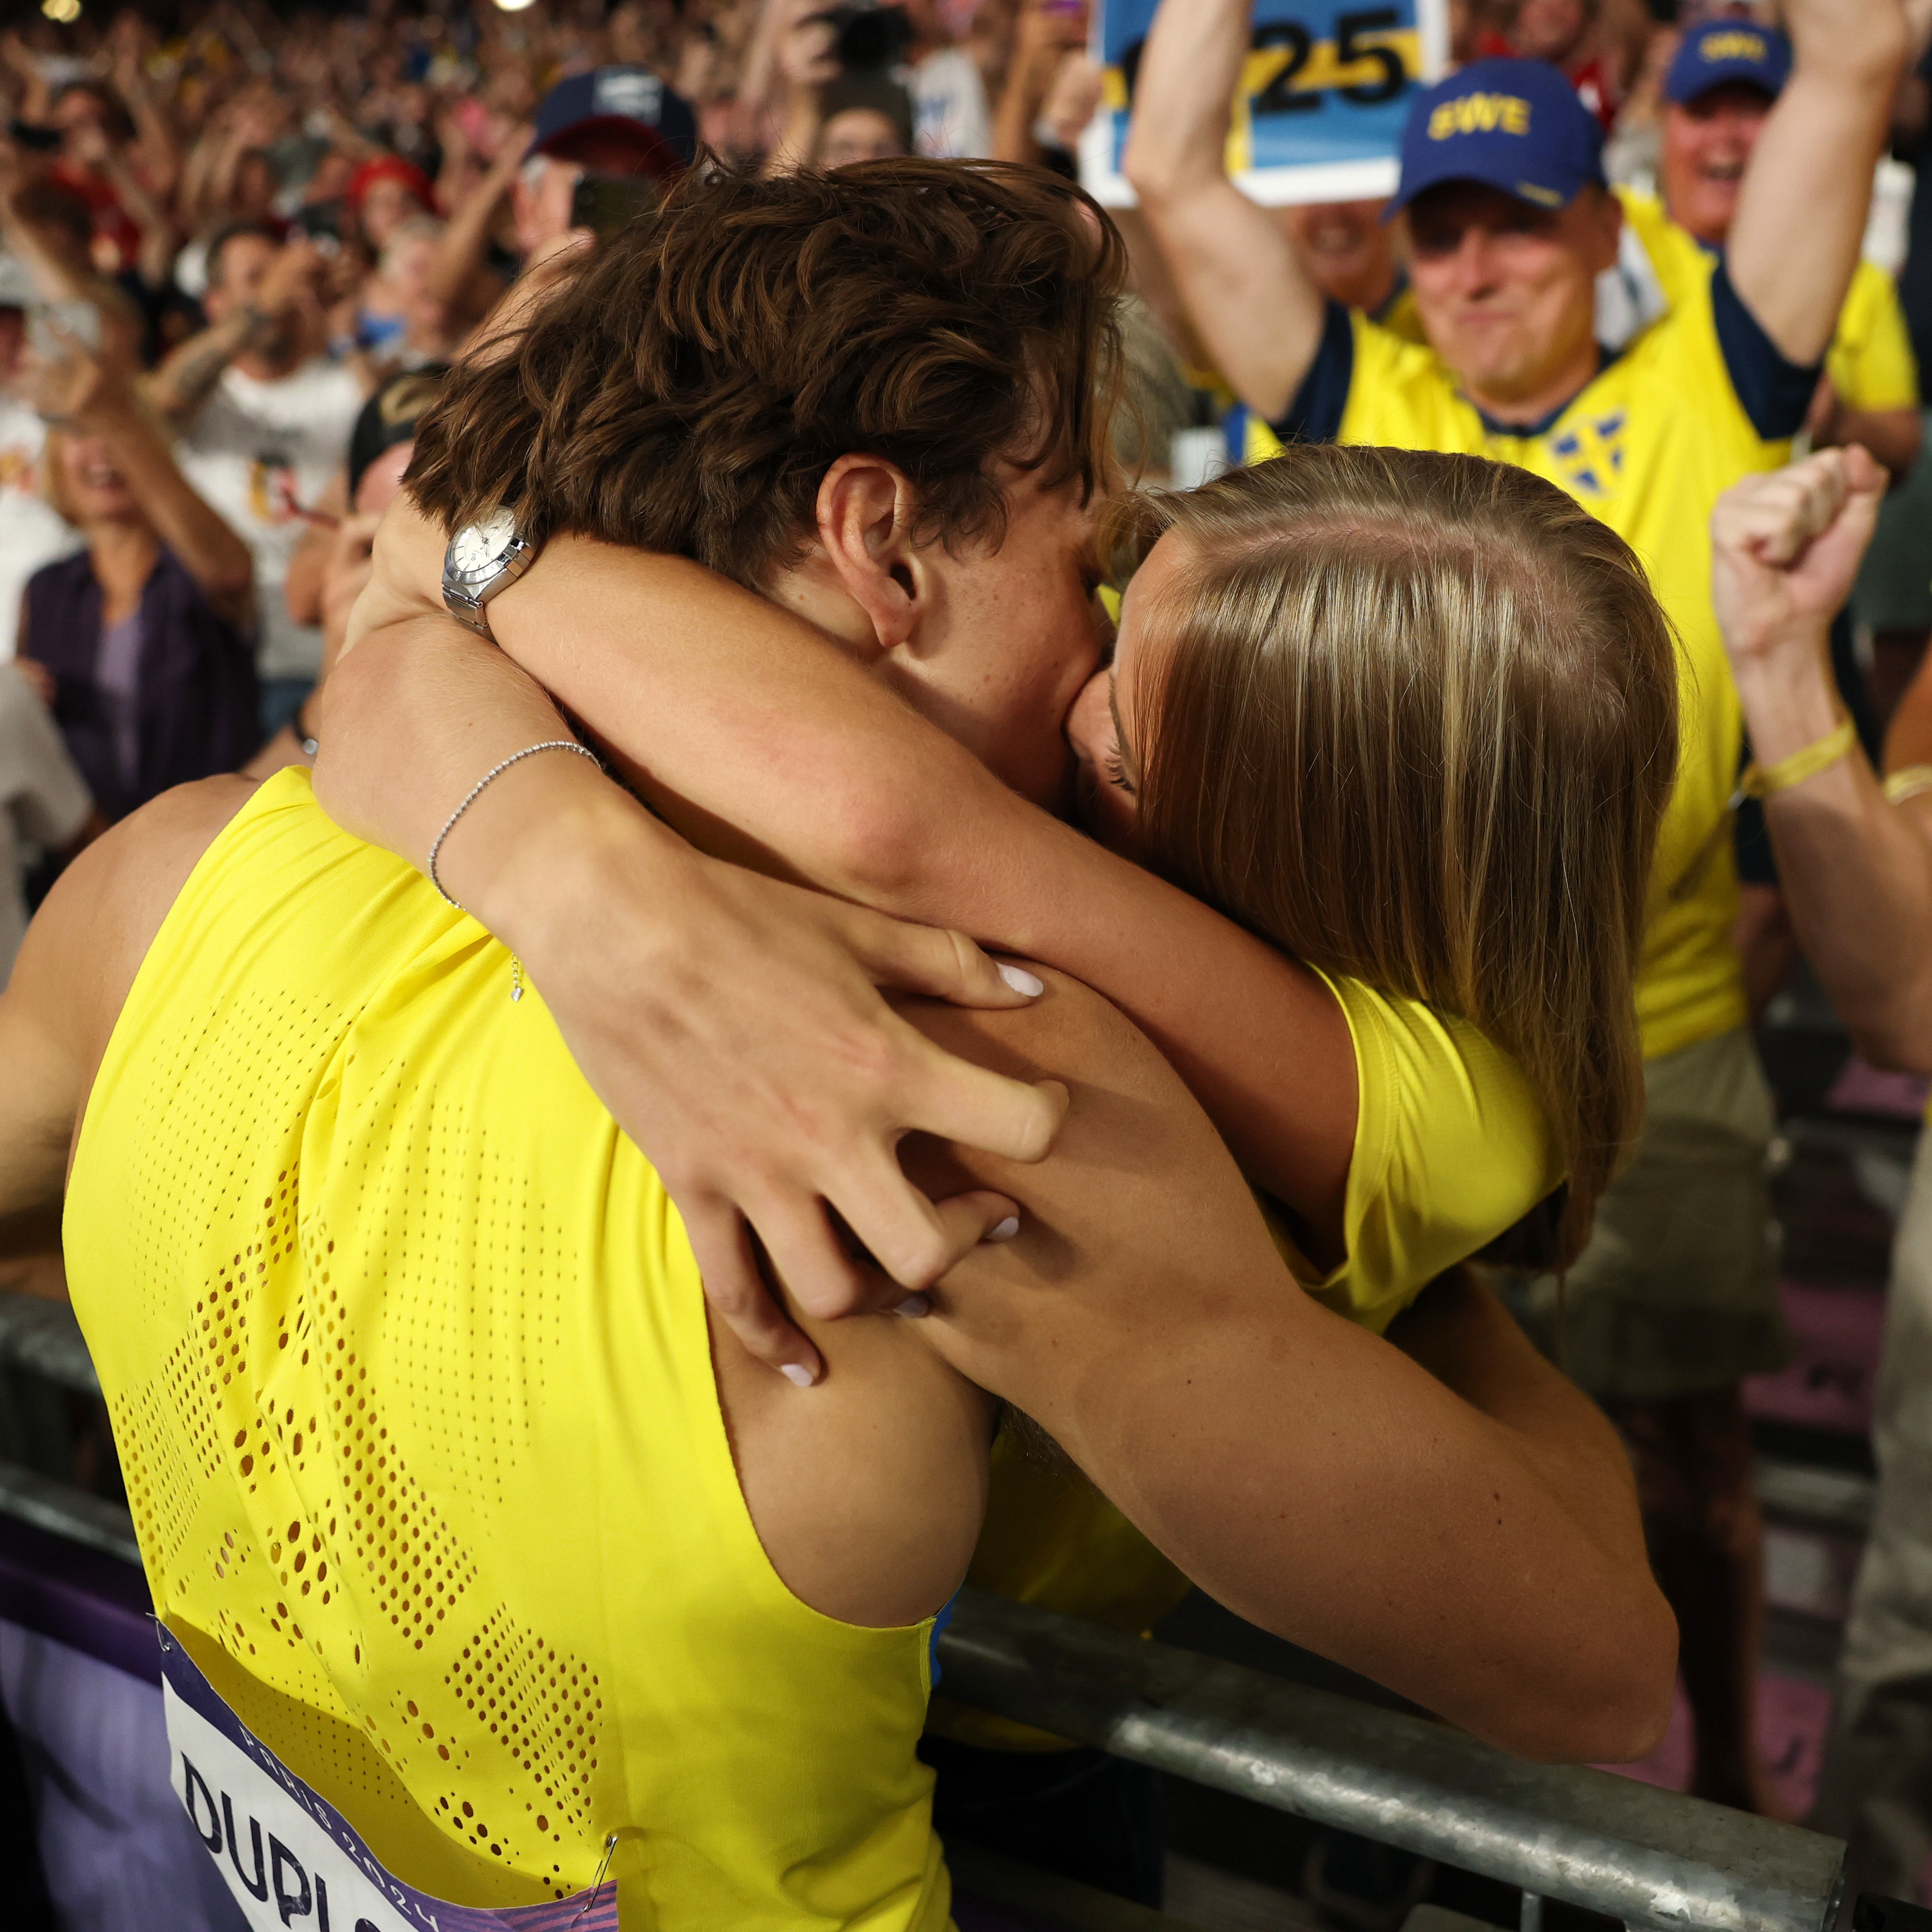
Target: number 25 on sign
[[1323, 95]]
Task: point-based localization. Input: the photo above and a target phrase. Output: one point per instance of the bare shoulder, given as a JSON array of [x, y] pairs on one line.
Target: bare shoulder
[[134, 872], [87, 940], [69, 982]]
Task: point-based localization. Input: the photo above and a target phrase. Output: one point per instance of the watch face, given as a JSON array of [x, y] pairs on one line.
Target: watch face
[[478, 550]]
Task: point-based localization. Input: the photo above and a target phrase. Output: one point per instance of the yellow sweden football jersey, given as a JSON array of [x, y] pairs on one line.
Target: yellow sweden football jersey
[[1870, 362], [1649, 446]]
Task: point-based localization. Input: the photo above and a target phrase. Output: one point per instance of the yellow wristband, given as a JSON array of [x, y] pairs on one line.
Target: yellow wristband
[[1908, 783], [1766, 781]]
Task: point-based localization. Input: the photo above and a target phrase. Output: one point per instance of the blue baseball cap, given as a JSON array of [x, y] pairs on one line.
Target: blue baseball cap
[[1513, 124], [1716, 51], [629, 104]]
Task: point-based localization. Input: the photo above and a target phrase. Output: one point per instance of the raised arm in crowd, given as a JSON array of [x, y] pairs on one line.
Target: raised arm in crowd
[[1854, 849], [1800, 219]]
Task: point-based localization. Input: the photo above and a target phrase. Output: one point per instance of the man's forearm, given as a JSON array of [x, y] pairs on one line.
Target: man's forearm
[[1183, 91], [1459, 1331], [1452, 1520], [1856, 870], [1246, 289], [187, 378]]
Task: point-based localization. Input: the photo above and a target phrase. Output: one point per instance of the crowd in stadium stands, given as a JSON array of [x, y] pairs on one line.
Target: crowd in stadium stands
[[243, 247]]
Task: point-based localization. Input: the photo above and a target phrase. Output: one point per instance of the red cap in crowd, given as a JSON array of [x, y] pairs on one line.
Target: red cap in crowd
[[388, 167]]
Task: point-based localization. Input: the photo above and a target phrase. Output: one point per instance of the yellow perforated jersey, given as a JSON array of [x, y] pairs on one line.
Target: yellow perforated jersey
[[407, 1361]]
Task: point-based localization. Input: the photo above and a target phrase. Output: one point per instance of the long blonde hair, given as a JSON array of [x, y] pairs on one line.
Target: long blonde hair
[[1413, 717]]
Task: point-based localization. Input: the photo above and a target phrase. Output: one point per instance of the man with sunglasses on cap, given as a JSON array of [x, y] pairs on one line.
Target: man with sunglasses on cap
[[1509, 223], [599, 142]]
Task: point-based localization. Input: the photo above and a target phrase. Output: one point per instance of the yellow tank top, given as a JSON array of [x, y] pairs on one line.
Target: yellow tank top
[[407, 1361], [1452, 1147]]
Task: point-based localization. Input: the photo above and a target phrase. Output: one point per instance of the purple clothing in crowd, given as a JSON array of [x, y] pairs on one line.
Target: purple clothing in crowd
[[191, 697]]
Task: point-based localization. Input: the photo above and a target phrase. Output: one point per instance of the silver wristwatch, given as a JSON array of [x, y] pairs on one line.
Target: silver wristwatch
[[482, 558]]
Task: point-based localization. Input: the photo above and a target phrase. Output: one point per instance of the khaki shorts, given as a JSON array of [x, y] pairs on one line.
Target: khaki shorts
[[1676, 1294]]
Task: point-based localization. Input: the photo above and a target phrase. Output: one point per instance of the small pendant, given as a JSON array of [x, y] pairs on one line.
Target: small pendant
[[516, 980]]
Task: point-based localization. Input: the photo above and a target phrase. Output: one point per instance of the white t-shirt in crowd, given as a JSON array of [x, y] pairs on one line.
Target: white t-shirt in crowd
[[951, 119], [32, 532], [43, 800], [260, 453]]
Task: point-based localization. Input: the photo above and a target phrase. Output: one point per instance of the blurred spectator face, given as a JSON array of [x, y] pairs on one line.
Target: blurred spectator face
[[13, 344], [87, 125], [382, 480], [512, 93], [640, 31], [405, 261], [858, 134], [1706, 143], [387, 204], [540, 202], [410, 103], [405, 266], [88, 488], [1550, 30], [234, 276], [1507, 290], [1347, 247], [255, 185]]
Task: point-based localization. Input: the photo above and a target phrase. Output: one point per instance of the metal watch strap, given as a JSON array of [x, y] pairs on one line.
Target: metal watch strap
[[467, 611]]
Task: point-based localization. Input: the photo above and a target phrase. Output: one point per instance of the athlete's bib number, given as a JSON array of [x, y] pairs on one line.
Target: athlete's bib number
[[289, 1858]]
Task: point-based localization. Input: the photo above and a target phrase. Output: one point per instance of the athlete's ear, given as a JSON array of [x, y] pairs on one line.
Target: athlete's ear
[[865, 512]]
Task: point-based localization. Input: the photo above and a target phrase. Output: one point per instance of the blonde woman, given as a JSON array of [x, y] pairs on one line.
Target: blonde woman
[[142, 643]]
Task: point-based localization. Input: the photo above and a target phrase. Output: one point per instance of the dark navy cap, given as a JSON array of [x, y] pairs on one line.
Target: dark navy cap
[[629, 101], [1716, 51], [1513, 125]]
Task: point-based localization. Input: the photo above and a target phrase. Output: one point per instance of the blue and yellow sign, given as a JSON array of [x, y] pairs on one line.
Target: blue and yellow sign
[[1323, 96]]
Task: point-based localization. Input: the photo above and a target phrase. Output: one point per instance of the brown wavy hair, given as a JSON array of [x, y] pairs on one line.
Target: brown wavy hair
[[1412, 718], [686, 389]]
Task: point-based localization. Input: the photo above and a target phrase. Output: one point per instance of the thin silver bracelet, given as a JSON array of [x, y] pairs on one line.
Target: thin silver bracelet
[[476, 791]]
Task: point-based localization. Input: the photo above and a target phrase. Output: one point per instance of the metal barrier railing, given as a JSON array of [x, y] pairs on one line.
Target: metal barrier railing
[[1654, 1858], [1658, 1861]]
